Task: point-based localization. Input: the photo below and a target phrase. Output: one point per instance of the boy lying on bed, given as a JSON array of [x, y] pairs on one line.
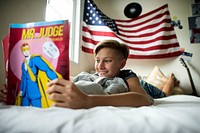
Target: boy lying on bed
[[110, 58]]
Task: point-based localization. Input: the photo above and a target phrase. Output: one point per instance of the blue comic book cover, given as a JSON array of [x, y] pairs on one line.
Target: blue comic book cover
[[38, 53]]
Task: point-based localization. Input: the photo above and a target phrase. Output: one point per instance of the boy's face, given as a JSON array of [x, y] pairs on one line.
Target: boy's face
[[108, 63]]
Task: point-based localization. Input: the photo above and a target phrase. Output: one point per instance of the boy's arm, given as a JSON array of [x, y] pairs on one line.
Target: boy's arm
[[131, 99], [66, 94]]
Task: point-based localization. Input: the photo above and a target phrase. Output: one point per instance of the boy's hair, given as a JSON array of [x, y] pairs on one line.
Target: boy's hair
[[121, 48]]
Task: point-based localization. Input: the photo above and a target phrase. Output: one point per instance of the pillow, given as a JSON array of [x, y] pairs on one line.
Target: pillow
[[157, 78]]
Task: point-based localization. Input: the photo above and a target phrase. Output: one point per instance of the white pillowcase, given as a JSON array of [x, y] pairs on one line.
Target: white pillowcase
[[157, 78]]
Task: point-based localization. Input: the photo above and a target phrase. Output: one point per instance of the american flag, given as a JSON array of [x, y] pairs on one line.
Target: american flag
[[149, 36]]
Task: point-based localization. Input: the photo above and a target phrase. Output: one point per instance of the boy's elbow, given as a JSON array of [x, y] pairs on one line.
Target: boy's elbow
[[150, 100], [147, 100]]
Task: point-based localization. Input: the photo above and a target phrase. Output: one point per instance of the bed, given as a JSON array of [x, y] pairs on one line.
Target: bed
[[173, 114]]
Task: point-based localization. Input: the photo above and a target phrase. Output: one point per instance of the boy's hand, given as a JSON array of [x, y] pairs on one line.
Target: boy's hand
[[66, 94], [3, 92]]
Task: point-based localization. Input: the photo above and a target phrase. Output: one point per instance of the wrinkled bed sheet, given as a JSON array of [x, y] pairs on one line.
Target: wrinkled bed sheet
[[173, 114]]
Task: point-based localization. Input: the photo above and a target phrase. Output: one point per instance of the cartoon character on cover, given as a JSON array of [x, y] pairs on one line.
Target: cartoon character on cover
[[36, 72]]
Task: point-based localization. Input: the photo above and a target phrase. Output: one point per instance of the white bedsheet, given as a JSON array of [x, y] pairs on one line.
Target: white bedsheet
[[174, 114]]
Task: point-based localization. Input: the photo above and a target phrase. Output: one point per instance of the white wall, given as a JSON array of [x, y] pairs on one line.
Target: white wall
[[18, 11]]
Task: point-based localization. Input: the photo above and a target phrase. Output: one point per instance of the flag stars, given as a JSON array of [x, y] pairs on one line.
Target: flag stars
[[100, 22], [94, 16]]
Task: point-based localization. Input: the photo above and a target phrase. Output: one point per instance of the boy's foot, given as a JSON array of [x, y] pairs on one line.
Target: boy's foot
[[170, 84]]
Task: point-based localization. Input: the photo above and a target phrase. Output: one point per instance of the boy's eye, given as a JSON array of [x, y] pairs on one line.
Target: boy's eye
[[97, 61], [103, 61], [108, 61]]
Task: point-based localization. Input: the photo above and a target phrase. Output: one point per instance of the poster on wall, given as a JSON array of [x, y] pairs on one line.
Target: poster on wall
[[194, 23], [195, 9], [194, 27]]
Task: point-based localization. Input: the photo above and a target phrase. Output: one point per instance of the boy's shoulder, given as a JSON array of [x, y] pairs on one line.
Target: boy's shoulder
[[127, 73]]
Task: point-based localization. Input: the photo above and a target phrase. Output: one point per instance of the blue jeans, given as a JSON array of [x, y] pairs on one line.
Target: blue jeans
[[153, 91]]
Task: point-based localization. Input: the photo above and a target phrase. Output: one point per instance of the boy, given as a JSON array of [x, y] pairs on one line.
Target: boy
[[110, 57]]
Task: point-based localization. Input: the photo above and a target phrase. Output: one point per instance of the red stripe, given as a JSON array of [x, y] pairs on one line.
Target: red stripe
[[146, 34], [88, 50], [98, 33], [167, 55], [160, 38], [156, 47], [89, 40]]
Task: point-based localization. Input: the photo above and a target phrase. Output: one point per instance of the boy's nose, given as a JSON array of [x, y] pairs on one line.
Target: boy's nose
[[101, 65]]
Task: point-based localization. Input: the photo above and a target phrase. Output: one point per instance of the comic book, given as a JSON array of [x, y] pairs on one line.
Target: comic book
[[38, 53]]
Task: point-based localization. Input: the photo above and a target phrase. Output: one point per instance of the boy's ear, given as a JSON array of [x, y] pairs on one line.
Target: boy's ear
[[123, 63]]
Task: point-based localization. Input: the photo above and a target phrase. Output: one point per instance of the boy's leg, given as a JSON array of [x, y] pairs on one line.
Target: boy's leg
[[153, 91], [170, 84]]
